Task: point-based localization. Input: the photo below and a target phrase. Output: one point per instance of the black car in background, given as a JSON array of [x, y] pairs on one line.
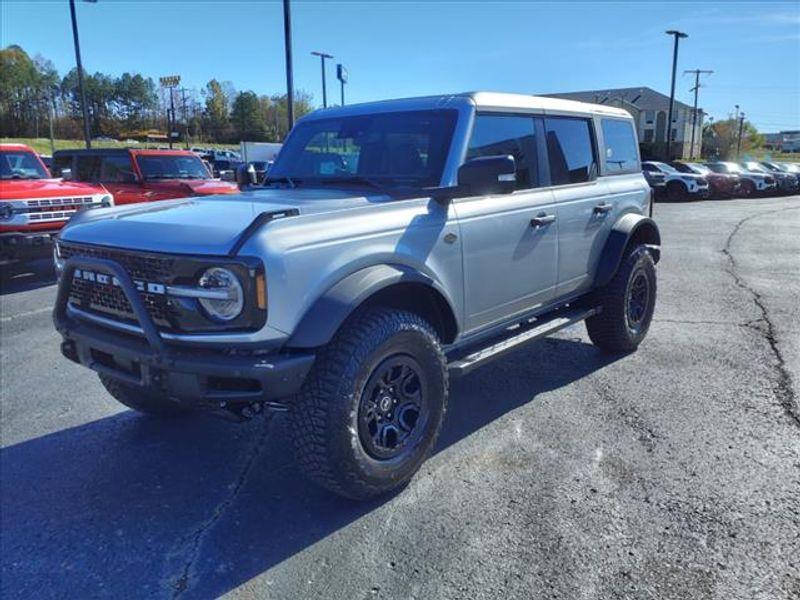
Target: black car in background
[[656, 180]]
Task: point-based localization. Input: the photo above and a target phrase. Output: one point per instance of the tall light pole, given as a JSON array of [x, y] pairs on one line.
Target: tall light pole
[[695, 89], [739, 138], [322, 57], [677, 35], [287, 42], [84, 109]]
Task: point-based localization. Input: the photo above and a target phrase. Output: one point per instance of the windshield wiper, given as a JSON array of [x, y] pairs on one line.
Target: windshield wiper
[[292, 181]]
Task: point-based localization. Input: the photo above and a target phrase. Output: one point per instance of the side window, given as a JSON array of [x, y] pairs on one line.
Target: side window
[[570, 151], [60, 163], [88, 168], [620, 146], [508, 134], [117, 169]]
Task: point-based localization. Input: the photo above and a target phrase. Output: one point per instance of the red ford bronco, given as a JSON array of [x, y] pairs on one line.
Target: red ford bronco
[[34, 206], [141, 175]]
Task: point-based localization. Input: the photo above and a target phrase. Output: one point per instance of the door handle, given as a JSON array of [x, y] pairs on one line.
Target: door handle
[[542, 220], [603, 208]]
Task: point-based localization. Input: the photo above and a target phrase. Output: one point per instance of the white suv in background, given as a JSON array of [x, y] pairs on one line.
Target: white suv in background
[[679, 186], [753, 182]]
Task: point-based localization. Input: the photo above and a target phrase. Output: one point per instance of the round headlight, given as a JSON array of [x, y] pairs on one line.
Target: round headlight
[[229, 296]]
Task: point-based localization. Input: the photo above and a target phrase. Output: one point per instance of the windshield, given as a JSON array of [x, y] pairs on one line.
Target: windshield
[[171, 166], [392, 149], [702, 169], [666, 168], [20, 164], [733, 167], [752, 166]]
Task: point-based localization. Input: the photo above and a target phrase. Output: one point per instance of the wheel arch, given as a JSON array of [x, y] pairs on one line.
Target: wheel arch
[[629, 230], [396, 286]]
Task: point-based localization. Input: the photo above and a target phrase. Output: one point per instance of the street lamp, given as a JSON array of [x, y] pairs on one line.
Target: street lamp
[[322, 57], [287, 43], [84, 109], [678, 35], [341, 75]]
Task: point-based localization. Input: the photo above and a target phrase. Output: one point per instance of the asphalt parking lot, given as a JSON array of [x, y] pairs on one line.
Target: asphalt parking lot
[[673, 472]]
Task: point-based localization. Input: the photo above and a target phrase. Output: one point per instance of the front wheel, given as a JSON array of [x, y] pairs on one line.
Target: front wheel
[[677, 191], [371, 409], [627, 302]]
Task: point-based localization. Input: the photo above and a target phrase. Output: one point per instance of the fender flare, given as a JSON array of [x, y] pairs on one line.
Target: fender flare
[[321, 321], [628, 228]]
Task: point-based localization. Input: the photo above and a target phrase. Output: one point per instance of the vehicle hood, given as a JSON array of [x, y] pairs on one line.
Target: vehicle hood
[[694, 176], [197, 187], [27, 189], [207, 225]]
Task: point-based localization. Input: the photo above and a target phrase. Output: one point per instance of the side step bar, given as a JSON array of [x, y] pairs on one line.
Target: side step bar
[[540, 329]]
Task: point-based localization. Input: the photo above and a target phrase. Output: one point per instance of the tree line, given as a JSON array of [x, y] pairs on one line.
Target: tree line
[[33, 94]]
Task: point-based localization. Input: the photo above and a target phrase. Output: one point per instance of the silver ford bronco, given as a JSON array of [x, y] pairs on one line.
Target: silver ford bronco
[[393, 245]]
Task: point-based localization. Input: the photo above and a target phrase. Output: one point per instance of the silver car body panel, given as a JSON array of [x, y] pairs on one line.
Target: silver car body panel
[[481, 253]]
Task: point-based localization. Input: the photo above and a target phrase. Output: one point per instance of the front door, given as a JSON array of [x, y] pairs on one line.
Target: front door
[[510, 241], [119, 178]]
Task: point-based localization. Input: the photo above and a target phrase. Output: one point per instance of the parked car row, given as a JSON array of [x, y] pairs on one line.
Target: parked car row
[[35, 204], [681, 180]]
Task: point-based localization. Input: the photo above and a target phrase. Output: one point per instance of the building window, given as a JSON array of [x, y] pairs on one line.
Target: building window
[[673, 135], [649, 117], [648, 135]]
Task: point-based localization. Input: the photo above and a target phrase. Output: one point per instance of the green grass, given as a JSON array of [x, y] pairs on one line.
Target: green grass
[[42, 145]]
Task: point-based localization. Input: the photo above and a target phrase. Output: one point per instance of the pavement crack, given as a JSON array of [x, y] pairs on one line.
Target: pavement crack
[[784, 391], [194, 540]]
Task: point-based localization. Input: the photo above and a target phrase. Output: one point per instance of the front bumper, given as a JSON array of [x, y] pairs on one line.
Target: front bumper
[[16, 246], [237, 384]]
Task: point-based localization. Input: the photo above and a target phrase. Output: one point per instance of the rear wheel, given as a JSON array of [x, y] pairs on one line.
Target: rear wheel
[[142, 399], [371, 409], [748, 189], [628, 302]]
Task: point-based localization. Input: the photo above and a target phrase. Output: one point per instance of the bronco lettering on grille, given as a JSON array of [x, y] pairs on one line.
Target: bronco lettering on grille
[[103, 279]]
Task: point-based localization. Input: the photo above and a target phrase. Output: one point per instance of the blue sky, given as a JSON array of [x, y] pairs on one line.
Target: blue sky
[[395, 49]]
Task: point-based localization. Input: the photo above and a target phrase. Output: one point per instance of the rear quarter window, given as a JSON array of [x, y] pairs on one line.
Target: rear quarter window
[[620, 154]]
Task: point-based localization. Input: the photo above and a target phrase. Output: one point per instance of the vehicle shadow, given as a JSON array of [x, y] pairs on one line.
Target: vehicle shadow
[[128, 506], [26, 276]]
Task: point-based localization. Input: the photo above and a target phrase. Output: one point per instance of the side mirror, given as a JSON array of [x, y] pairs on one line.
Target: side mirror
[[488, 175], [129, 178], [227, 175], [66, 173]]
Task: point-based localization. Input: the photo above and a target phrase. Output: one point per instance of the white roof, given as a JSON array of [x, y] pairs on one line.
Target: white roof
[[484, 100], [510, 101]]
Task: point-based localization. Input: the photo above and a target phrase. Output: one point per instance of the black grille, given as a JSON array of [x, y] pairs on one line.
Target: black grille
[[109, 300]]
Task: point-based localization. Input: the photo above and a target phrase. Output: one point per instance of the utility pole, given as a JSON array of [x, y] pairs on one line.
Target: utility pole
[[50, 114], [84, 109], [695, 89], [741, 129], [677, 35], [287, 42], [322, 57]]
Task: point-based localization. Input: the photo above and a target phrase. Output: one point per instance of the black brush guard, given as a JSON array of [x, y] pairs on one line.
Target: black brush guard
[[194, 377]]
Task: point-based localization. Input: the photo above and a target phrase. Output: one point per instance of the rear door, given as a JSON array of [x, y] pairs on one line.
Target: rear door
[[509, 260], [584, 207]]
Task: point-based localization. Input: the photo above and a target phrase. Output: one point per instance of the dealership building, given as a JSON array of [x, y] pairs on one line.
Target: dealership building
[[650, 110]]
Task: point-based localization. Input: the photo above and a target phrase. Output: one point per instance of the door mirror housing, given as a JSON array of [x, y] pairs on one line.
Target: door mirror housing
[[66, 173], [488, 175]]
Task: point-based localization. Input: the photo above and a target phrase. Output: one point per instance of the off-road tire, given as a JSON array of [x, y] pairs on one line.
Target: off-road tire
[[141, 399], [324, 415], [611, 330], [677, 192]]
